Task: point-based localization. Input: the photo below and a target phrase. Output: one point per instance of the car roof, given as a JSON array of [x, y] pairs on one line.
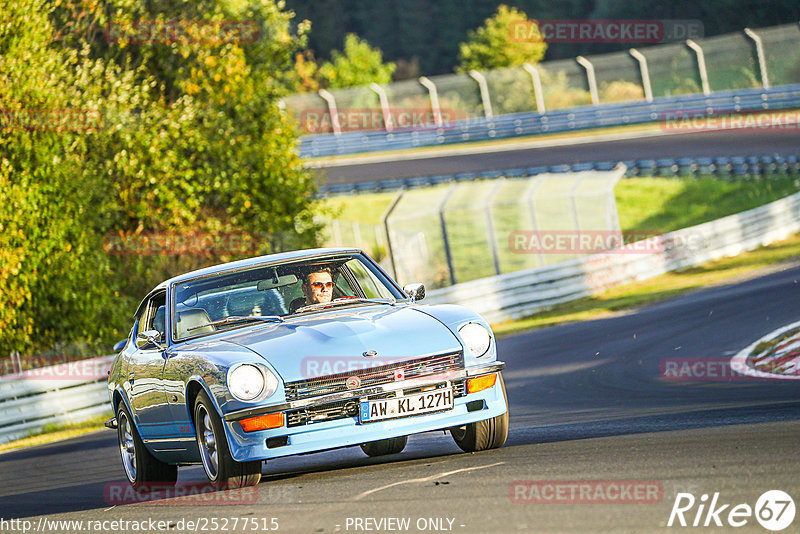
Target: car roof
[[258, 260]]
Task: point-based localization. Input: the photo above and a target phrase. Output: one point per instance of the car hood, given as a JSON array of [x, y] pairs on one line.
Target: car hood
[[335, 341]]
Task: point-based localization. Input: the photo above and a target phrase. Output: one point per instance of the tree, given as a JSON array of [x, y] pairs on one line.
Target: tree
[[359, 64], [102, 138], [507, 39]]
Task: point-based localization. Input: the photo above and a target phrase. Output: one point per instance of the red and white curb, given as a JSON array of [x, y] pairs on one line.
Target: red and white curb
[[740, 365]]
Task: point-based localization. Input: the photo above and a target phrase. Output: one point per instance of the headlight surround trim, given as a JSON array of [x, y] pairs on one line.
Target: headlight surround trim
[[246, 371], [477, 338]]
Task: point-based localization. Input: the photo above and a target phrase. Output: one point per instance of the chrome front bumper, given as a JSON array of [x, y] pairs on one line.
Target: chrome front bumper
[[367, 391]]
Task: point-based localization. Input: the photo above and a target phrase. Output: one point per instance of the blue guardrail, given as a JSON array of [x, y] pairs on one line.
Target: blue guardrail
[[566, 120], [728, 168]]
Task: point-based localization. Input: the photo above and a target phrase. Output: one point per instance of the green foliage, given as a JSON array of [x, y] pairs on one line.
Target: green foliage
[[104, 138], [429, 31], [506, 39], [358, 64]]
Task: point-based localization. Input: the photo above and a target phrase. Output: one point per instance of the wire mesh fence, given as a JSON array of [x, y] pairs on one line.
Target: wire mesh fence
[[463, 231], [731, 62]]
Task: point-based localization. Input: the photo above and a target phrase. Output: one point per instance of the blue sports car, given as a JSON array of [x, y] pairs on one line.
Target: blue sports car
[[293, 353]]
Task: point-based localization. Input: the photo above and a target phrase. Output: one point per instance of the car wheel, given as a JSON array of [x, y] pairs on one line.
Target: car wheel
[[221, 469], [141, 467], [385, 446], [483, 435]]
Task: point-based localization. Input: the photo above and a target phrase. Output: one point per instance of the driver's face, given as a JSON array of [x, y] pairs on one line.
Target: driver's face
[[320, 288]]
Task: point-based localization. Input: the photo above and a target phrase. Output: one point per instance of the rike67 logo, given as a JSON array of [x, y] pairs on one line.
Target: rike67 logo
[[774, 510]]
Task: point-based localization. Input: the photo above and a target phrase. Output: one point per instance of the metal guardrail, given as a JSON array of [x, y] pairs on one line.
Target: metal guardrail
[[40, 397], [567, 120], [720, 166], [59, 394], [514, 295]]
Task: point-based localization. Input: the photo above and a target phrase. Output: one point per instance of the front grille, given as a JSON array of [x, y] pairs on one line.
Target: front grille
[[349, 408], [374, 376]]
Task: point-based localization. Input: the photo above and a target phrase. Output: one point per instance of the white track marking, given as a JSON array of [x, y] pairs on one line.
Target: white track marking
[[425, 479]]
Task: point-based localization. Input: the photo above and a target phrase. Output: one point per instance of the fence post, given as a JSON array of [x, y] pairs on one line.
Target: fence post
[[574, 203], [701, 65], [762, 62], [446, 241], [385, 224], [538, 92], [388, 124], [612, 215], [484, 87], [434, 95], [337, 234], [490, 233], [328, 97], [529, 198], [590, 77], [357, 235], [645, 72]]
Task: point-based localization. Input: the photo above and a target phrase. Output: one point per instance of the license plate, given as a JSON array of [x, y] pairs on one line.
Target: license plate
[[419, 403]]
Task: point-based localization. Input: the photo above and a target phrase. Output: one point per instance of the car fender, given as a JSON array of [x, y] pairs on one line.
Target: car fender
[[453, 316]]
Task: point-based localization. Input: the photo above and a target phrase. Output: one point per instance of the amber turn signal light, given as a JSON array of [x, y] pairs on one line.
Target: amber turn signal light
[[262, 422], [480, 383]]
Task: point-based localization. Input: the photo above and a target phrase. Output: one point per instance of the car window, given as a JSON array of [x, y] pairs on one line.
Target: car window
[[272, 290], [369, 284], [156, 315]]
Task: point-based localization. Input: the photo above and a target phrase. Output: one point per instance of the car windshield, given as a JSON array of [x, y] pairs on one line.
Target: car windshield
[[268, 293]]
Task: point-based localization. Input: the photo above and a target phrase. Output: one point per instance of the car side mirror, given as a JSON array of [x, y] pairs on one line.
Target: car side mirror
[[119, 345], [148, 337], [416, 291]]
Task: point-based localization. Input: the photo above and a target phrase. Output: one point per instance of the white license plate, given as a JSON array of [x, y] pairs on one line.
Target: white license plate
[[419, 403]]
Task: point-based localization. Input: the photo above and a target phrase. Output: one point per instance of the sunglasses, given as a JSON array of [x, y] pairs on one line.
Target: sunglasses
[[320, 285]]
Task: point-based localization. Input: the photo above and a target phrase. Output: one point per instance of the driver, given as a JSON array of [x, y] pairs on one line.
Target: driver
[[318, 286]]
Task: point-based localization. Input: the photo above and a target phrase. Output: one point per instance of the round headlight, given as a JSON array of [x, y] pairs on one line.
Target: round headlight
[[248, 383], [476, 337]]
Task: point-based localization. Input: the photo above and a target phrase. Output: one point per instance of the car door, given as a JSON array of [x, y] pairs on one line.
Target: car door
[[145, 373]]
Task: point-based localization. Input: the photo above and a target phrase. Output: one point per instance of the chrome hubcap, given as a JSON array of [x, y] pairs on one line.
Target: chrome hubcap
[[127, 449], [208, 443]]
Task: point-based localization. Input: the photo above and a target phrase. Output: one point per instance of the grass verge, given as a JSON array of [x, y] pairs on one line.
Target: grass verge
[[631, 296], [57, 432]]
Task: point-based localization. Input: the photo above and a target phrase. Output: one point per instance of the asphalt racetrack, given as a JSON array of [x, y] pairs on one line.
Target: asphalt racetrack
[[699, 144], [590, 404]]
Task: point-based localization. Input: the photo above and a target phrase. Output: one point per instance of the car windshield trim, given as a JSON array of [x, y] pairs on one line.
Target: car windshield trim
[[344, 301], [204, 281], [239, 319]]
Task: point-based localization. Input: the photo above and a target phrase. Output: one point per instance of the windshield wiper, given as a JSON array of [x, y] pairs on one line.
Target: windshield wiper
[[239, 319], [346, 300]]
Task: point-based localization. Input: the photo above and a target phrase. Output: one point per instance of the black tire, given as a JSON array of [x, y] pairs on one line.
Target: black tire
[[383, 447], [483, 435], [223, 471], [141, 468]]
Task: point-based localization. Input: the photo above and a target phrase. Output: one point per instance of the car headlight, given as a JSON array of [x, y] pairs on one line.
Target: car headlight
[[476, 337], [249, 383]]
